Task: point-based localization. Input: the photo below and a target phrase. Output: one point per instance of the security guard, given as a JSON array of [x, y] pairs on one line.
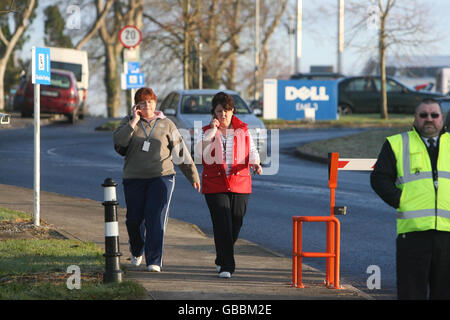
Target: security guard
[[412, 174]]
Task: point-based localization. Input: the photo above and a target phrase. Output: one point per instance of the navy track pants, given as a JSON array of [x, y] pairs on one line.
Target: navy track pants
[[148, 202]]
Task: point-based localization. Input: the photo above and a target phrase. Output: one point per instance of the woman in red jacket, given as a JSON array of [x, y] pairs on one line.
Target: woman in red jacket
[[228, 152]]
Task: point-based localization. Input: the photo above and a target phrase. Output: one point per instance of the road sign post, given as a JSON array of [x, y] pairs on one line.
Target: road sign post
[[40, 60], [132, 79], [130, 36]]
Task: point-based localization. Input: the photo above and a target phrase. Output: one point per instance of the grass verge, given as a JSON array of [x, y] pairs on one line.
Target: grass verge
[[38, 268], [354, 120], [362, 145]]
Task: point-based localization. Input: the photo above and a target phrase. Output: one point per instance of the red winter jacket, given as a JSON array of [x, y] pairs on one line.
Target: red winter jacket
[[214, 178]]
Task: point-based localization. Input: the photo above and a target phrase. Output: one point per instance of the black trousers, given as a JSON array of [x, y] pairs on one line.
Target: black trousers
[[227, 214], [423, 265]]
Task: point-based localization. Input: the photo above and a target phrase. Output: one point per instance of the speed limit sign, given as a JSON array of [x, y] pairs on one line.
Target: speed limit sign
[[130, 36]]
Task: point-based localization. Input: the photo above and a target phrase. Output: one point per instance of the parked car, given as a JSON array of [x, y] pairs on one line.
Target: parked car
[[184, 107], [76, 61], [257, 106], [317, 76], [19, 95], [445, 104], [60, 97], [362, 95]]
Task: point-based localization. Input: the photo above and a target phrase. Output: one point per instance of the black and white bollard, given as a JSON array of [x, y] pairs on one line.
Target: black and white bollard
[[112, 253]]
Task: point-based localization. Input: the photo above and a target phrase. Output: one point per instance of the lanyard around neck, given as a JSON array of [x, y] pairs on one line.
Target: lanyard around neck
[[145, 132]]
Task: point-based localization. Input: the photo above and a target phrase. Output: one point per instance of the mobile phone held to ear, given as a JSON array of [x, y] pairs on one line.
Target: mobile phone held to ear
[[215, 117], [138, 107]]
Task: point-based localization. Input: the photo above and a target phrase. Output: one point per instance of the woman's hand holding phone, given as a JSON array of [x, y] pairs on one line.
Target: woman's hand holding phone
[[214, 123], [136, 110], [136, 115]]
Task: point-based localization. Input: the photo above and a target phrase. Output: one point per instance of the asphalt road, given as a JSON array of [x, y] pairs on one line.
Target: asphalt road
[[75, 160]]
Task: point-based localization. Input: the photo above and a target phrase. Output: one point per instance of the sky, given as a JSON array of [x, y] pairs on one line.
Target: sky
[[321, 49], [318, 38]]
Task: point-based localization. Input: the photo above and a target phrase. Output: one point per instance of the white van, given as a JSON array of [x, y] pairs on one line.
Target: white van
[[76, 61]]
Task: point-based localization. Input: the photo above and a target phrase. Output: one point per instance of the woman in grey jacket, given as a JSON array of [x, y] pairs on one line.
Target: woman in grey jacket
[[151, 141]]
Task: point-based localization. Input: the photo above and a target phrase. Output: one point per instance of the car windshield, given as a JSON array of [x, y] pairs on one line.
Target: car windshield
[[201, 104], [445, 106], [75, 68], [60, 81]]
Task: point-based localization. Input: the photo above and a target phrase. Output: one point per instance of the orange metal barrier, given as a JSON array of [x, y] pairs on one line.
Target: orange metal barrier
[[332, 254], [333, 236]]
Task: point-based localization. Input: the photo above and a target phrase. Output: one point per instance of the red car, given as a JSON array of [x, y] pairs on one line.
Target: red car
[[60, 97]]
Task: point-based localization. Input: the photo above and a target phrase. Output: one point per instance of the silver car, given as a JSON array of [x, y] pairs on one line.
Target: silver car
[[184, 107]]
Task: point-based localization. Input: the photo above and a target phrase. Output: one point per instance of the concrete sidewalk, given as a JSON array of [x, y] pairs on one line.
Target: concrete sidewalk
[[188, 271]]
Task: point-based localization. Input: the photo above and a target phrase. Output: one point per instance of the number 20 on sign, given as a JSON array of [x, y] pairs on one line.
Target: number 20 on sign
[[130, 36]]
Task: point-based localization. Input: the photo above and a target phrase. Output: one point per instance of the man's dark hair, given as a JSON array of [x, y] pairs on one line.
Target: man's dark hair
[[428, 101]]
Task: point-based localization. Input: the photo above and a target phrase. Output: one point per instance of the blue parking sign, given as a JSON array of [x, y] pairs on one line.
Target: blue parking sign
[[40, 60], [133, 67], [134, 80]]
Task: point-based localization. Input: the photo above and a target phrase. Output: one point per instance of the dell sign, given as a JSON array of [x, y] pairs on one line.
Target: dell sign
[[300, 99]]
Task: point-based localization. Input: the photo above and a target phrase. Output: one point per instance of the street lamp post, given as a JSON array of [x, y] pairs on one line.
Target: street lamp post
[[298, 42], [340, 44], [256, 93]]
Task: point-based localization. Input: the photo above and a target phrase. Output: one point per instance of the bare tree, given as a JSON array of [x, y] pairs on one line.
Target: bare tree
[[99, 21], [122, 14], [176, 23], [384, 10], [271, 12], [221, 31], [21, 17], [401, 26], [217, 25]]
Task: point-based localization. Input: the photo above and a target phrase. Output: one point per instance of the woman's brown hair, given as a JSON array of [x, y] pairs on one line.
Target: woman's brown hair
[[223, 99], [144, 94]]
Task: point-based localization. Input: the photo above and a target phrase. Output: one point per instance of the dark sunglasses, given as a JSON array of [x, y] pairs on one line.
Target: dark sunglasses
[[424, 115]]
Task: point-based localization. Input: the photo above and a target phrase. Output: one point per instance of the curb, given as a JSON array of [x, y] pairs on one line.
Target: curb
[[309, 156]]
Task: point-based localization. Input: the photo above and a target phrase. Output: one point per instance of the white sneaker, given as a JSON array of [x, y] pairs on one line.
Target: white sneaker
[[154, 268], [218, 268], [136, 261], [225, 274]]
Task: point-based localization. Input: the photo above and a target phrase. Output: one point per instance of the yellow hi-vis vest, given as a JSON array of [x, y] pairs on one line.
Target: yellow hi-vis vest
[[422, 206]]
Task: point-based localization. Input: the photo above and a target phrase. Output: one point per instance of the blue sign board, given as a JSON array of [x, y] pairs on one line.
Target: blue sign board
[[307, 99], [133, 67], [40, 66], [134, 80]]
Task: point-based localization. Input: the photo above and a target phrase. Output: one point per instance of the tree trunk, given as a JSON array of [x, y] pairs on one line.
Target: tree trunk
[[232, 69], [3, 63], [113, 49], [112, 82], [382, 54], [186, 11], [383, 98]]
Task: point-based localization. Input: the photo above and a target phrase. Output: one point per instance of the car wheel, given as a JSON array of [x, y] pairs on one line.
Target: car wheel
[[25, 114], [344, 109]]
